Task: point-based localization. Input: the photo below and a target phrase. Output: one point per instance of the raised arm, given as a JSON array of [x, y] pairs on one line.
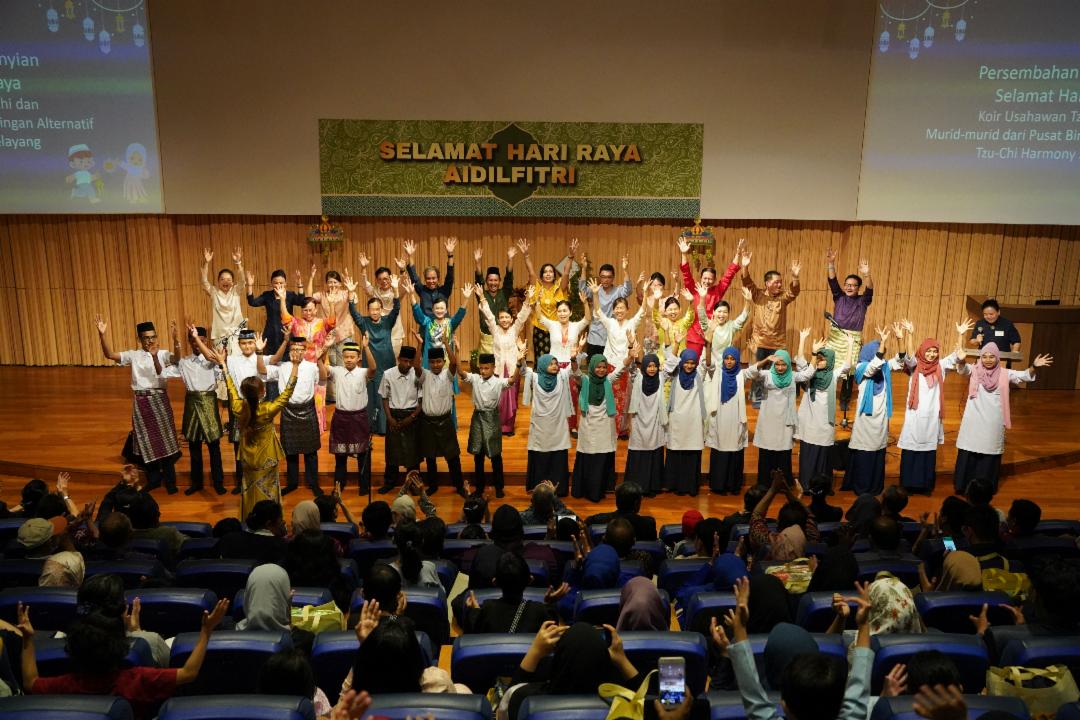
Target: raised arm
[[204, 271], [106, 350], [868, 282], [523, 246], [310, 289], [365, 345], [571, 254], [190, 671], [410, 248]]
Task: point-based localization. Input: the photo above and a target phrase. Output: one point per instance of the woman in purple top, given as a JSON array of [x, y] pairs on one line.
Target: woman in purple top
[[846, 321]]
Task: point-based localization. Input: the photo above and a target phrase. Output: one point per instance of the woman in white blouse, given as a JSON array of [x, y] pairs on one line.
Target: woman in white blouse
[[620, 333], [224, 300], [506, 344], [817, 412], [774, 434]]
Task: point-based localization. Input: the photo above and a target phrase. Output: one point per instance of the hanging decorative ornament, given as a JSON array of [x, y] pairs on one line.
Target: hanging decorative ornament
[[883, 41], [119, 23], [928, 37], [52, 20], [138, 34], [900, 30], [961, 29], [946, 18], [69, 9], [88, 28], [105, 42], [913, 48]]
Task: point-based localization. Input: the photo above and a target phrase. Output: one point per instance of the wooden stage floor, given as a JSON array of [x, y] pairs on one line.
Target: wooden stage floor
[[76, 419]]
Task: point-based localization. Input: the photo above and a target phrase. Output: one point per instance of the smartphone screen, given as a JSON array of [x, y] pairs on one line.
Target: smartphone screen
[[949, 544], [672, 680]]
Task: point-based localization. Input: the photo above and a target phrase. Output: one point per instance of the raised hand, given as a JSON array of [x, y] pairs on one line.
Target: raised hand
[[409, 247], [745, 262], [238, 255], [523, 246], [898, 329], [350, 284], [719, 637], [280, 293], [522, 346], [573, 247], [260, 342], [530, 295], [864, 267], [547, 637], [594, 286], [314, 269], [363, 260], [450, 244], [818, 345], [351, 705], [131, 615], [1042, 361], [62, 483], [747, 295], [701, 290], [908, 325], [883, 333], [208, 255], [965, 326], [981, 621], [250, 278], [583, 296], [796, 267], [26, 630], [401, 263], [554, 594], [212, 619], [478, 290], [625, 261], [684, 245], [395, 281], [471, 601], [369, 620], [478, 253], [739, 247], [510, 253], [940, 703], [803, 334], [830, 256], [408, 286], [895, 682], [687, 295], [468, 288]]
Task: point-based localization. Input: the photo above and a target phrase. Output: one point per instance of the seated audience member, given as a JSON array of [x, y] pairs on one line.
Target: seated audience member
[[377, 519], [862, 513], [690, 519], [432, 537], [593, 568], [268, 605], [114, 540], [404, 507], [264, 539], [382, 585], [40, 538], [948, 522], [707, 540], [63, 569], [628, 505], [105, 594], [836, 571], [1022, 520], [982, 531], [97, 646], [415, 571], [288, 672], [507, 534], [225, 526], [567, 529], [980, 493], [311, 561], [511, 613], [1054, 605], [751, 498], [329, 505], [390, 661], [581, 660], [719, 574], [960, 572], [821, 487], [305, 516], [641, 607], [893, 502], [146, 523], [794, 525], [886, 542], [473, 532], [811, 684], [544, 505], [891, 608], [32, 493]]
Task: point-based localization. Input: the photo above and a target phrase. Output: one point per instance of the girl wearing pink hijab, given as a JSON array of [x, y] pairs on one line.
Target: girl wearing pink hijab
[[981, 441]]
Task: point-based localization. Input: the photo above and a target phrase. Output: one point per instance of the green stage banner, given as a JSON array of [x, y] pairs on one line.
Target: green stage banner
[[510, 169]]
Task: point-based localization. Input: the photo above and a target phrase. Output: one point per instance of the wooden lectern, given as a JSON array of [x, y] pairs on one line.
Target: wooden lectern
[[1045, 329]]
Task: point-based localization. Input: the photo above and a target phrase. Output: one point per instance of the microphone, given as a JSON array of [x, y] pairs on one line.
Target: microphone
[[832, 321]]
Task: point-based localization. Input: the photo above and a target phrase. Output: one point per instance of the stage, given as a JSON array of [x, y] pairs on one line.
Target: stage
[[75, 419]]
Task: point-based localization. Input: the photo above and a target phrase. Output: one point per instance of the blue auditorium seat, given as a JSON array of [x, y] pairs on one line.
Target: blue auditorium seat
[[670, 533], [153, 547], [1058, 527], [967, 651], [828, 644], [238, 707], [197, 549], [233, 659], [950, 611], [476, 660], [907, 571], [131, 572], [171, 611], [996, 638], [454, 529], [1033, 548], [301, 596], [902, 707], [454, 551], [596, 533], [440, 705], [675, 573], [629, 569], [53, 660], [654, 548], [702, 607], [428, 609], [599, 607], [65, 707], [644, 649], [535, 594], [367, 553], [815, 611], [333, 655], [728, 705], [192, 529], [448, 573], [343, 532], [539, 572], [51, 608], [1042, 651], [563, 550], [20, 573], [535, 532], [350, 571], [224, 577], [9, 528], [563, 707]]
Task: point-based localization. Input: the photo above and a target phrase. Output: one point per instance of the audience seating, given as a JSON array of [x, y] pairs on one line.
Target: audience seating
[[644, 649], [20, 573], [907, 571], [702, 607], [440, 705], [670, 534], [301, 596], [343, 532], [599, 607], [132, 572], [1058, 527], [53, 660], [675, 573], [454, 551], [153, 547], [171, 611], [728, 705], [448, 573], [535, 594], [197, 548], [65, 707], [950, 611], [224, 577], [564, 707], [350, 571], [367, 553], [997, 638], [654, 548], [815, 611], [238, 707], [902, 708], [191, 529], [233, 659], [9, 528], [968, 652], [535, 532], [333, 655], [563, 550], [427, 608], [538, 572], [479, 658], [829, 644], [1033, 549], [51, 608], [454, 529], [630, 568], [1042, 651]]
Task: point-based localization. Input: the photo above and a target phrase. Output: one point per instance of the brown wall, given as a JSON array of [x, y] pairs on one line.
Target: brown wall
[[57, 272]]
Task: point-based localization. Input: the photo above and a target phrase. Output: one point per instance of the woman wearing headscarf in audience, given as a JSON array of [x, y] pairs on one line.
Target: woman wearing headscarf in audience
[[641, 607], [870, 430], [719, 574], [770, 604], [690, 519], [594, 460], [390, 660], [786, 642], [862, 512], [892, 608], [268, 605], [63, 569], [648, 427], [774, 435], [981, 440], [310, 561], [960, 572], [836, 571], [305, 516], [581, 662], [726, 433], [686, 422]]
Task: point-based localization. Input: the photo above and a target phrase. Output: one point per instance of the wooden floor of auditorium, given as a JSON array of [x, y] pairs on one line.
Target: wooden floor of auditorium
[[76, 419]]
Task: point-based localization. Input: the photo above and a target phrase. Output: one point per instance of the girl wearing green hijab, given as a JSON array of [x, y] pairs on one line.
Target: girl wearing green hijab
[[776, 423], [817, 412], [547, 391], [594, 461]]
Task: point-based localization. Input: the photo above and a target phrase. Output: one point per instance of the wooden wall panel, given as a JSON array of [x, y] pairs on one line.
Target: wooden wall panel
[[58, 272]]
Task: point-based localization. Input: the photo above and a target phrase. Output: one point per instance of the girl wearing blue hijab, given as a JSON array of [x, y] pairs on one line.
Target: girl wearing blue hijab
[[726, 434], [648, 427], [774, 435], [870, 431], [686, 422]]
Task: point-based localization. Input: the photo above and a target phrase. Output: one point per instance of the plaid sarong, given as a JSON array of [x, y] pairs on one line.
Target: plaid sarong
[[838, 343], [201, 420], [152, 426], [300, 428], [485, 433]]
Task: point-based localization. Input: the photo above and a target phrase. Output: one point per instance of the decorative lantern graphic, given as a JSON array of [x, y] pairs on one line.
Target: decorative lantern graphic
[[105, 42], [88, 28], [913, 48], [961, 29], [52, 20], [928, 37], [883, 41], [138, 34]]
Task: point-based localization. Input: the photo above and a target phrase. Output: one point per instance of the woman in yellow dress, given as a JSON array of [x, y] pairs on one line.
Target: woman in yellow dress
[[259, 449], [551, 287]]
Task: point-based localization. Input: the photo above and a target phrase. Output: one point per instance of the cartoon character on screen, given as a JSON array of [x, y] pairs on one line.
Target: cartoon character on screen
[[87, 183], [134, 167]]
